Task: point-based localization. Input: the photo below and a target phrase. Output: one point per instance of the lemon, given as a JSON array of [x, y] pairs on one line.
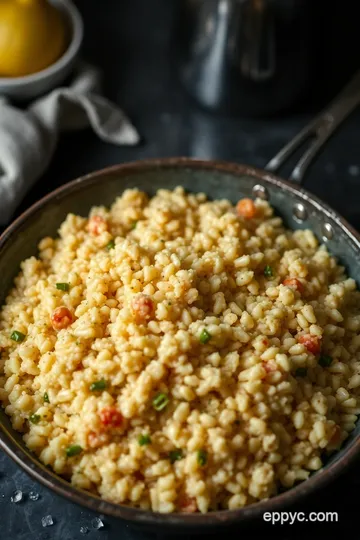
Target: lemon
[[32, 36]]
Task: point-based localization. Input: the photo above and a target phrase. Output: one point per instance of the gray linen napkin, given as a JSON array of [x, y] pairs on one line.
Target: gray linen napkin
[[28, 137]]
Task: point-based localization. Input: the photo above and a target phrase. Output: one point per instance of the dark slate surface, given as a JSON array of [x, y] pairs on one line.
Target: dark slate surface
[[129, 39]]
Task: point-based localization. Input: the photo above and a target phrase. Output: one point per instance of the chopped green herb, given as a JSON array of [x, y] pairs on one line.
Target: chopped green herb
[[268, 271], [205, 336], [144, 440], [202, 457], [17, 336], [98, 385], [133, 225], [110, 245], [63, 286], [46, 398], [160, 401], [175, 455], [35, 418], [325, 361], [301, 372], [77, 343], [73, 450]]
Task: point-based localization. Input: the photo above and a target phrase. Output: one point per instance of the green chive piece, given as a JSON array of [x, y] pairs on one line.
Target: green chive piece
[[202, 457], [73, 450], [110, 245], [143, 440], [17, 336], [325, 361], [63, 286], [35, 418], [301, 372], [133, 225], [46, 398], [268, 271], [98, 385], [175, 455], [205, 336], [160, 401]]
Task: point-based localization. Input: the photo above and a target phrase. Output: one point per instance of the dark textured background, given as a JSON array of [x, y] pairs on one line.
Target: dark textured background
[[129, 39]]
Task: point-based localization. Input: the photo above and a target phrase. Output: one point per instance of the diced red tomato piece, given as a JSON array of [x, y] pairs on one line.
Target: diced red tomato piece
[[294, 283], [61, 318], [246, 208], [312, 343], [97, 225], [111, 417]]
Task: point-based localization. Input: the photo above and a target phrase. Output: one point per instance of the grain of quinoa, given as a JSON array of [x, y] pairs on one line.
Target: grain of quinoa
[[258, 400]]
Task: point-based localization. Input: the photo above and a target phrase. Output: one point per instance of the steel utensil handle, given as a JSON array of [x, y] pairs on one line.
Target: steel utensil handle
[[318, 131]]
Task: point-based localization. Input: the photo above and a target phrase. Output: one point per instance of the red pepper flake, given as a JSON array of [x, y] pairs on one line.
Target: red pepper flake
[[110, 416], [97, 225], [61, 318], [188, 505], [312, 343], [294, 283]]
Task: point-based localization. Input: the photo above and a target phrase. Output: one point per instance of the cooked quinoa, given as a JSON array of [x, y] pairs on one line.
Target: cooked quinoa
[[181, 355]]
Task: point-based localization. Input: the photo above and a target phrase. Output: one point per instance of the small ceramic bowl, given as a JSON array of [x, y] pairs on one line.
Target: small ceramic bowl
[[32, 86]]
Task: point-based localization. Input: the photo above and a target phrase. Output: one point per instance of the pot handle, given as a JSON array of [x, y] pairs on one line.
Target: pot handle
[[318, 131]]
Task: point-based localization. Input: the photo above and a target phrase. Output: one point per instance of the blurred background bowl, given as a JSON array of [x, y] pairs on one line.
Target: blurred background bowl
[[37, 84]]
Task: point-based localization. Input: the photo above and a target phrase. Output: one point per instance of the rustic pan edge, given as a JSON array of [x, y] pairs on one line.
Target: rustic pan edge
[[149, 519]]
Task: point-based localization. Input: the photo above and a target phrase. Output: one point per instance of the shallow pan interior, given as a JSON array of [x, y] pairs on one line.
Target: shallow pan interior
[[217, 180]]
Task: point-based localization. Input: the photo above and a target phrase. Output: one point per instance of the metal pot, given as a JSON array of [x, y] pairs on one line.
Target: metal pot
[[248, 57], [219, 180]]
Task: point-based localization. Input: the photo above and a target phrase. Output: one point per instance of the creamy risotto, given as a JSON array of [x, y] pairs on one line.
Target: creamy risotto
[[181, 355]]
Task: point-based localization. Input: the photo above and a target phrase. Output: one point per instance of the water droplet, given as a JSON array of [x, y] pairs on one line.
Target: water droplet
[[84, 530], [34, 496], [17, 496], [97, 523], [47, 521]]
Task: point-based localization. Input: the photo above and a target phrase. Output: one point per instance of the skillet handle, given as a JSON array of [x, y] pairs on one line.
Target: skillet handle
[[318, 131]]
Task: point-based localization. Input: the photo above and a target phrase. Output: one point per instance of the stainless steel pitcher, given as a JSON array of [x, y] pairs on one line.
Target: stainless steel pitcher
[[245, 56]]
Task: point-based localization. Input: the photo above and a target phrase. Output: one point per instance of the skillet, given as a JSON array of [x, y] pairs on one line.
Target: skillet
[[297, 207]]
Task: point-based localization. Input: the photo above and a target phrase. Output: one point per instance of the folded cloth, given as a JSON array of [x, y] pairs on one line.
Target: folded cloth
[[28, 137]]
